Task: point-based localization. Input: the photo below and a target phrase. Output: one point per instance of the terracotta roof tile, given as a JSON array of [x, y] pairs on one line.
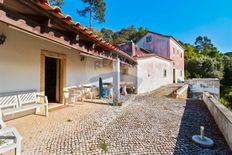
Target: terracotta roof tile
[[56, 11], [140, 54]]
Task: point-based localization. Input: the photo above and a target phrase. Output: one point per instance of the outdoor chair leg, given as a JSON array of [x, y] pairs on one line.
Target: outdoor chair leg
[[46, 106], [46, 110], [18, 148]]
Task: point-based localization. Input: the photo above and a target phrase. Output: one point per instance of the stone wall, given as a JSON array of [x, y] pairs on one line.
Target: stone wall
[[182, 92], [222, 116], [198, 86]]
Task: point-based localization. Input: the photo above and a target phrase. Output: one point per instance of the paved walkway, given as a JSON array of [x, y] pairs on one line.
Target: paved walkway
[[146, 124]]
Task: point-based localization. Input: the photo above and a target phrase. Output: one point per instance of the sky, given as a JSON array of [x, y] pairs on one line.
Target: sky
[[183, 19]]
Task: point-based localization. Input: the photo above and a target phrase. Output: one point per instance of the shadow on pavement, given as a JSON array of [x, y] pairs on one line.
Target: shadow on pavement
[[195, 115]]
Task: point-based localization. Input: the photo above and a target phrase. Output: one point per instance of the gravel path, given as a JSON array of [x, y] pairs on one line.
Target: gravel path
[[151, 123]]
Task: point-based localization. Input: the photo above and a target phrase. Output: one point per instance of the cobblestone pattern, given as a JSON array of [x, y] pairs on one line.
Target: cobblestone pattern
[[146, 124]]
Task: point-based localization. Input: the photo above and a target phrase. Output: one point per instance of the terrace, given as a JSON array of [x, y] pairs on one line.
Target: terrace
[[151, 123]]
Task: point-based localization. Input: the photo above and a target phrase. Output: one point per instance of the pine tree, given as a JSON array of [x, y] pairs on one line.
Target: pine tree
[[96, 10], [57, 2]]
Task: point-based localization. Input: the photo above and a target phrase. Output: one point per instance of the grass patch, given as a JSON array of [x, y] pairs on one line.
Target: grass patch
[[103, 145], [2, 142]]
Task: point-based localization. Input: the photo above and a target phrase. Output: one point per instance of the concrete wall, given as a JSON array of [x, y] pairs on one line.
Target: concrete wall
[[182, 92], [222, 116], [150, 74], [20, 63], [198, 86]]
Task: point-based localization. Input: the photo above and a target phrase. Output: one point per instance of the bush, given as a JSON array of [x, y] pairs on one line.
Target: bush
[[227, 61], [204, 67], [226, 94], [229, 97]]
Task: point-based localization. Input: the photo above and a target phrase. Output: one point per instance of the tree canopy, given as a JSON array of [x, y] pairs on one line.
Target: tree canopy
[[204, 45], [204, 60], [124, 35], [57, 2], [96, 10]]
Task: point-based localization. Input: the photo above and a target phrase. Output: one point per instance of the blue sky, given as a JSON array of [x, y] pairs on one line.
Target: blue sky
[[183, 19]]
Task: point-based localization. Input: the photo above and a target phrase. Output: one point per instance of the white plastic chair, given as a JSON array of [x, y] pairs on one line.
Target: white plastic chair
[[10, 137]]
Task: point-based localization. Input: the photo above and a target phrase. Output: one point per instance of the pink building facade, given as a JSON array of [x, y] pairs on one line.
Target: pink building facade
[[167, 47]]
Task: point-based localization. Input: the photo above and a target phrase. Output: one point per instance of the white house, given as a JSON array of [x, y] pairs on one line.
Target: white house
[[166, 47], [44, 50], [151, 72]]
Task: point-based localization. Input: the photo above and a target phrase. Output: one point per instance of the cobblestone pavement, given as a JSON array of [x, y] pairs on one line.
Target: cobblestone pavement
[[146, 124]]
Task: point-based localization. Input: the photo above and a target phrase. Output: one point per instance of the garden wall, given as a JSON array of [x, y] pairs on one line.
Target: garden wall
[[222, 116]]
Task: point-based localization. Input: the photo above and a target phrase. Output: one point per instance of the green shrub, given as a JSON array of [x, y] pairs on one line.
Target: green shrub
[[229, 97], [226, 94]]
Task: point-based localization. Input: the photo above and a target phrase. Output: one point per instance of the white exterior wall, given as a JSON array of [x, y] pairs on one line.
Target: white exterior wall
[[166, 47], [131, 75], [179, 76], [150, 74], [20, 63]]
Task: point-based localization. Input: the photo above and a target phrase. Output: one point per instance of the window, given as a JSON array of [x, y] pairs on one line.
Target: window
[[181, 55], [174, 50], [148, 39], [181, 73], [164, 73]]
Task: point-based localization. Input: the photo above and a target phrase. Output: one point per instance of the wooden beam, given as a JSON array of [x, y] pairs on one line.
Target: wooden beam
[[74, 39], [52, 23], [21, 24], [36, 17], [54, 35]]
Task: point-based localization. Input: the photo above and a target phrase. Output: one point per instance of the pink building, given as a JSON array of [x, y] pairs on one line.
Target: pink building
[[167, 47]]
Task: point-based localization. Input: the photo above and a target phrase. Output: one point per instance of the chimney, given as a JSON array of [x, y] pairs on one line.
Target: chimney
[[133, 48]]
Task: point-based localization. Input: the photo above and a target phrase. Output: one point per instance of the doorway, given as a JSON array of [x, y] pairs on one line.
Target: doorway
[[174, 75], [53, 76], [52, 79]]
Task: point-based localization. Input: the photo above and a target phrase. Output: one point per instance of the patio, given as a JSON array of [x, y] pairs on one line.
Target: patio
[[146, 124]]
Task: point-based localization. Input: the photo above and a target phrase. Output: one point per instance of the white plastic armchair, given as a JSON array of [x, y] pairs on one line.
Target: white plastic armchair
[[10, 138]]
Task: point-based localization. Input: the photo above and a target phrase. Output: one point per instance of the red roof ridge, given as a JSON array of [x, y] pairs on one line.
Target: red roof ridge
[[140, 54]]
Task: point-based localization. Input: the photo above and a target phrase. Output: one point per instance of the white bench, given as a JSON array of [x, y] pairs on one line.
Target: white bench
[[15, 102], [10, 138]]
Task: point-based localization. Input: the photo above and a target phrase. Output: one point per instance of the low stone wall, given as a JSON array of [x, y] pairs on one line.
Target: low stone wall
[[182, 93], [222, 116], [198, 86]]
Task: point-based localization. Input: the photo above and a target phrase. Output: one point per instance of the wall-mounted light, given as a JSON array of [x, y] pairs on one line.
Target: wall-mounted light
[[2, 39], [82, 58]]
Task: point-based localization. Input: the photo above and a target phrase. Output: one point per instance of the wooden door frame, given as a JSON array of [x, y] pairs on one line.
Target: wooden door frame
[[63, 60]]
